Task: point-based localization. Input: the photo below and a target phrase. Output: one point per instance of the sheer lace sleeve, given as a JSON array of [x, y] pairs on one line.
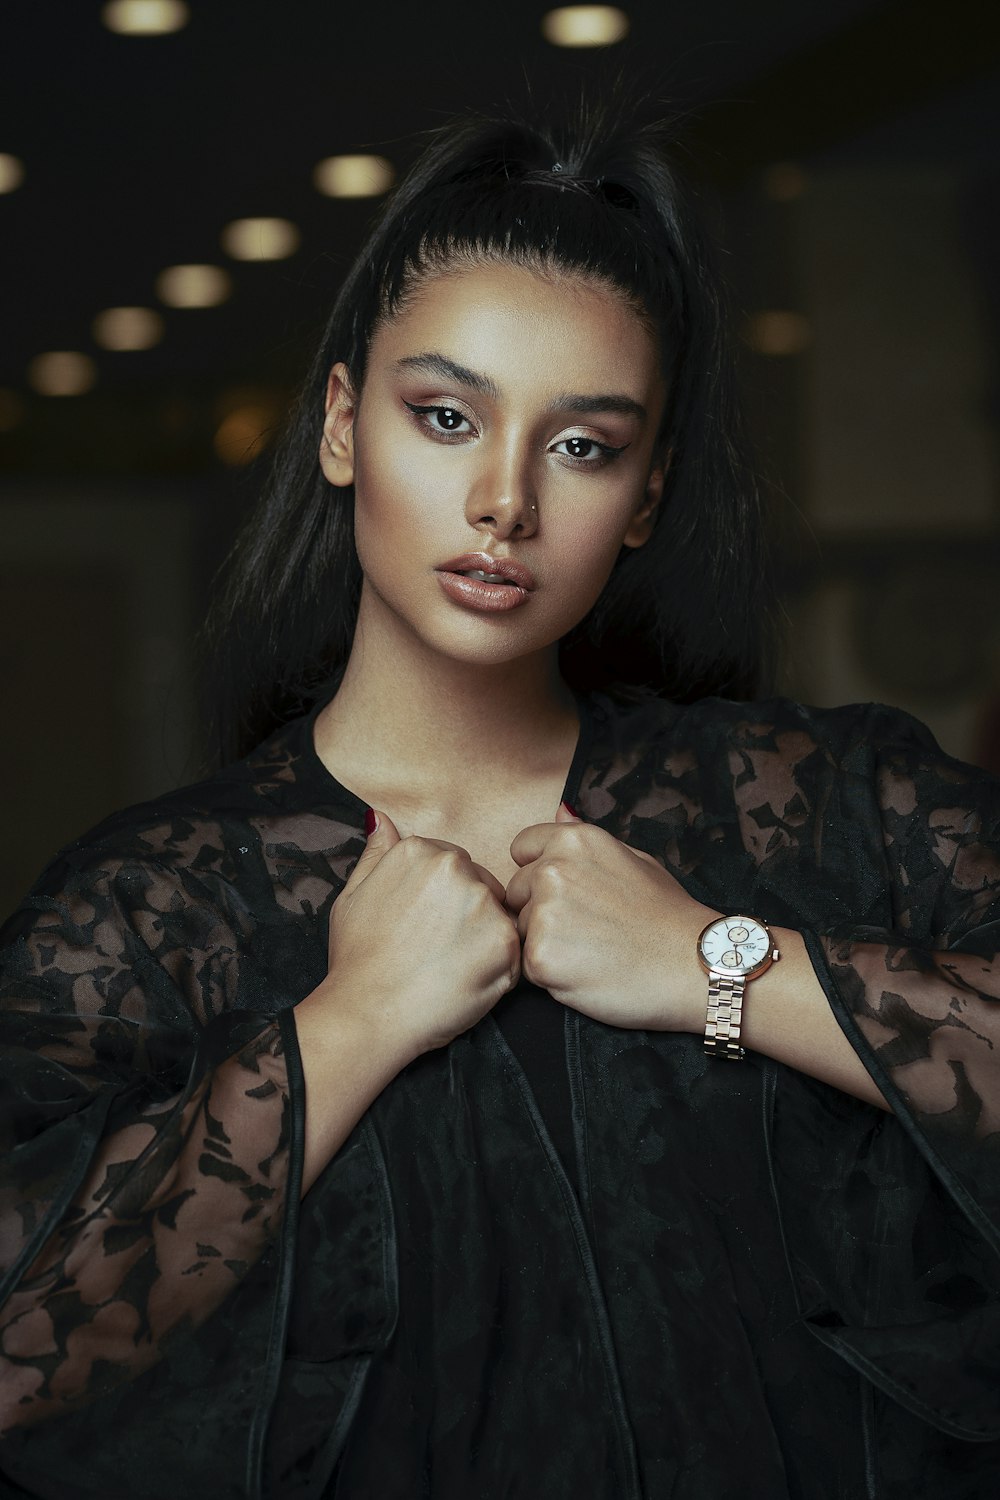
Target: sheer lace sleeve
[[892, 1222], [853, 827], [920, 997], [146, 1128]]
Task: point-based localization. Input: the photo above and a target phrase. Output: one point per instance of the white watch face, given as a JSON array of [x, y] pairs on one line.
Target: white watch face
[[735, 945]]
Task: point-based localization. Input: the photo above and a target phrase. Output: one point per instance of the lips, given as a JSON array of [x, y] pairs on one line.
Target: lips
[[483, 562]]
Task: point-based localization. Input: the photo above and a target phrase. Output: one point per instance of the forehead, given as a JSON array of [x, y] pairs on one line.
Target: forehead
[[523, 326]]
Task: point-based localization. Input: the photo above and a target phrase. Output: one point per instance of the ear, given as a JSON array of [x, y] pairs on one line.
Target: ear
[[336, 449], [641, 525]]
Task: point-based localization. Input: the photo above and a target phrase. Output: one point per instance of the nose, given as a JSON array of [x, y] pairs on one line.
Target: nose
[[502, 492]]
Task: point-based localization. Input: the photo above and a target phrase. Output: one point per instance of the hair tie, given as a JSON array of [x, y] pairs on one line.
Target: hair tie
[[557, 166]]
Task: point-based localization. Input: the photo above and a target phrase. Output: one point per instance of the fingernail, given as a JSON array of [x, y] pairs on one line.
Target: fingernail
[[571, 810], [371, 822]]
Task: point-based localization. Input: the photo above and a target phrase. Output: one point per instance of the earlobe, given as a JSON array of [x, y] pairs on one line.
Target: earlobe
[[336, 449]]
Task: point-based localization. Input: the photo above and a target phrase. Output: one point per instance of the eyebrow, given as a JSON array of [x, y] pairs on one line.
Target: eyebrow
[[440, 364]]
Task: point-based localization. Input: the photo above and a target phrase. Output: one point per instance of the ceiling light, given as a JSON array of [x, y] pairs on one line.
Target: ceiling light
[[145, 17], [123, 328], [778, 332], [11, 409], [193, 286], [260, 239], [784, 181], [11, 172], [584, 25], [62, 373], [353, 176], [243, 434]]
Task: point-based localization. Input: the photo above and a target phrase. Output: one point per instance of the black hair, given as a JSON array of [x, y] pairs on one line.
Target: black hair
[[685, 614]]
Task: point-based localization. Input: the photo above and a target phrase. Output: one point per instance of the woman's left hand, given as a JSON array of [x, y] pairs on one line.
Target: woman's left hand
[[605, 929]]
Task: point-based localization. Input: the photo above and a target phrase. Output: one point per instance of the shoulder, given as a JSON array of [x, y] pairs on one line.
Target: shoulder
[[843, 733], [863, 756]]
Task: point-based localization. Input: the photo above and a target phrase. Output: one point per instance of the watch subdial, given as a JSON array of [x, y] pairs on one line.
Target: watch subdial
[[738, 934], [731, 959]]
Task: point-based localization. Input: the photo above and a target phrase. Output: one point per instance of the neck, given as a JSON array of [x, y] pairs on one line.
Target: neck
[[430, 721]]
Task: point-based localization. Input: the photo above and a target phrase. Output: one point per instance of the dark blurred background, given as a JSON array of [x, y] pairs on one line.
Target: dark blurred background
[[847, 156]]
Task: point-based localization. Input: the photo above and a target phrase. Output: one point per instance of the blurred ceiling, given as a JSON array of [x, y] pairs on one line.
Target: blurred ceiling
[[138, 150]]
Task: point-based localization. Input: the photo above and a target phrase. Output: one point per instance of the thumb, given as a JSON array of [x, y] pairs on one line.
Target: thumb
[[381, 833], [380, 830], [566, 814]]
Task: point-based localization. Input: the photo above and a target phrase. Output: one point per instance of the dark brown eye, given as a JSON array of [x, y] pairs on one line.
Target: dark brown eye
[[580, 447], [439, 418]]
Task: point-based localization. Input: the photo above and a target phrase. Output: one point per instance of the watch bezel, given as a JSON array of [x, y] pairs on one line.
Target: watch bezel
[[757, 969]]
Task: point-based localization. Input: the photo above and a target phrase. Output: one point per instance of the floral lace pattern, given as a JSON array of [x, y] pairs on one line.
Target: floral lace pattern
[[159, 1176], [152, 1117]]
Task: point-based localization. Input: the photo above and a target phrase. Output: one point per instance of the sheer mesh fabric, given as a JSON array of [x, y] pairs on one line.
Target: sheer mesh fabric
[[147, 1174], [152, 1121]]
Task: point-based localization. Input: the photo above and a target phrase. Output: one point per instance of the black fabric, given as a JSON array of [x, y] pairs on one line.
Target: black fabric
[[533, 1029], [640, 1273]]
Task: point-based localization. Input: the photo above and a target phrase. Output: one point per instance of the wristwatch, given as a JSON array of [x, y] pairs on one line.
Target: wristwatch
[[731, 950]]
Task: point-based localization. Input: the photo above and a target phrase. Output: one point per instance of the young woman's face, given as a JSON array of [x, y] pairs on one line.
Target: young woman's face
[[508, 413]]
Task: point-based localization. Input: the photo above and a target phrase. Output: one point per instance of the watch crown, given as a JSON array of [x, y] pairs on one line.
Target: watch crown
[[775, 955]]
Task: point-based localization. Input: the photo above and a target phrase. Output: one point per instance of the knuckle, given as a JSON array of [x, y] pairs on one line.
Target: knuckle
[[452, 857], [553, 875]]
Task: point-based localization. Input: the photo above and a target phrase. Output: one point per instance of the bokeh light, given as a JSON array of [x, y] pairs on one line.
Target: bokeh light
[[11, 172], [260, 239], [145, 17], [128, 328], [193, 286], [244, 433], [353, 176], [585, 26], [62, 372], [777, 331]]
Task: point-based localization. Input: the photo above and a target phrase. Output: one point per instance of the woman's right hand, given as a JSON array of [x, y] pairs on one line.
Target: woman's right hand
[[421, 945]]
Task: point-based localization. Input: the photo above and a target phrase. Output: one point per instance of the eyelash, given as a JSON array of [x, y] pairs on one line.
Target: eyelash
[[607, 453]]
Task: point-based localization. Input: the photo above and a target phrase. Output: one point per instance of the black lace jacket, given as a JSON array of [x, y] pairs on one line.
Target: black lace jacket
[[745, 1284]]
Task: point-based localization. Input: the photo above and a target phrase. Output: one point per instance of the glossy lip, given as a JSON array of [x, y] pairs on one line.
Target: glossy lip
[[505, 566], [475, 594]]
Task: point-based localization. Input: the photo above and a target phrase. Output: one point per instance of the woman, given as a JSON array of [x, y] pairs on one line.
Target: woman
[[382, 1117]]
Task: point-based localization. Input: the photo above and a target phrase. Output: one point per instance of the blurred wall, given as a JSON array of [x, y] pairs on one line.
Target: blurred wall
[[877, 422], [901, 473], [97, 626]]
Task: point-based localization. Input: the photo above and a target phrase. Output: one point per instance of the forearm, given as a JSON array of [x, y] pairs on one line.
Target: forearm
[[347, 1060], [177, 1205], [787, 1016], [930, 1017]]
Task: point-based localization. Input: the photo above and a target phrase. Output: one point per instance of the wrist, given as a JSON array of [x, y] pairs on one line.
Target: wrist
[[684, 1005], [734, 950], [696, 986], [332, 1026]]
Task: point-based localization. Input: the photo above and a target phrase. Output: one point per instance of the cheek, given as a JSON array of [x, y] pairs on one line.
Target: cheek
[[395, 493], [595, 539]]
